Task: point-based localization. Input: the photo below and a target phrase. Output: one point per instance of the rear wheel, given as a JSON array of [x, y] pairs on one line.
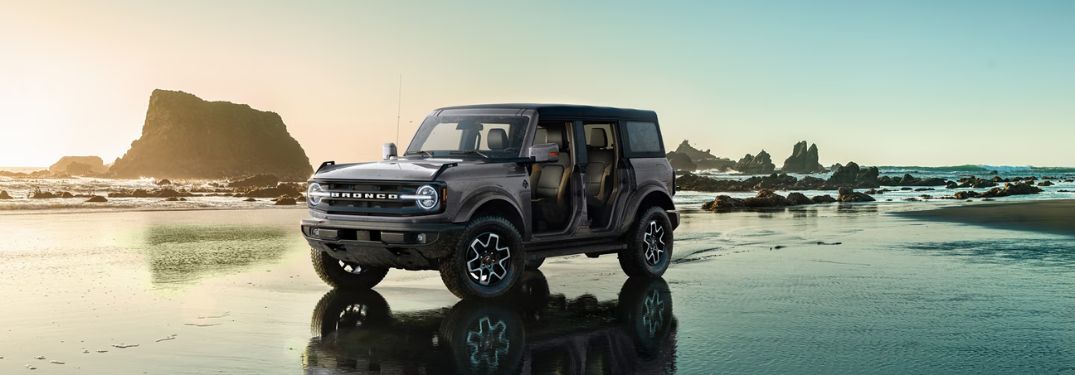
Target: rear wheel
[[649, 245], [487, 260], [343, 274]]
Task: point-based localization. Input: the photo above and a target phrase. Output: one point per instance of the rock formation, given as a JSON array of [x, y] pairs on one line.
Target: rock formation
[[688, 158], [851, 175], [79, 166], [803, 159], [761, 164], [4, 195], [187, 137], [849, 195]]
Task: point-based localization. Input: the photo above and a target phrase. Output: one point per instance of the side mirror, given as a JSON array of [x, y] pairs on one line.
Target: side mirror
[[545, 153], [388, 151]]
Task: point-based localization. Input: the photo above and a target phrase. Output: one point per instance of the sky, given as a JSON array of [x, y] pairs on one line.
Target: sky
[[878, 82]]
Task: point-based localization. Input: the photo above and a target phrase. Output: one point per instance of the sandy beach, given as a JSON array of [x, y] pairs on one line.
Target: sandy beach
[[1050, 216], [833, 289]]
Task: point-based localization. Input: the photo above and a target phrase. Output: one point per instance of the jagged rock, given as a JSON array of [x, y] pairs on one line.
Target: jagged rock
[[761, 164], [951, 185], [851, 175], [97, 199], [796, 199], [186, 137], [698, 158], [803, 159], [850, 195], [766, 198], [4, 195], [681, 162], [285, 201], [164, 182], [823, 199], [1045, 183], [79, 166]]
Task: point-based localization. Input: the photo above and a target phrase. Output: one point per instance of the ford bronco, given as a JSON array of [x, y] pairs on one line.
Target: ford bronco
[[484, 192]]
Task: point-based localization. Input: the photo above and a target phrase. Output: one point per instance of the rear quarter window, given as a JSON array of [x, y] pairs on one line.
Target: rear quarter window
[[643, 140]]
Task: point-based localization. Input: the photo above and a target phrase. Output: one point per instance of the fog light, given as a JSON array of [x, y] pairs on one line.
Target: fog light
[[314, 232], [421, 238]]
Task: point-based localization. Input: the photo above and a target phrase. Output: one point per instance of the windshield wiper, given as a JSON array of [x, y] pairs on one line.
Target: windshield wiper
[[471, 152], [428, 154]]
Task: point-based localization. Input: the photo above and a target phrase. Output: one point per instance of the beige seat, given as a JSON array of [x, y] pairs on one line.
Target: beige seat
[[601, 161], [550, 180]]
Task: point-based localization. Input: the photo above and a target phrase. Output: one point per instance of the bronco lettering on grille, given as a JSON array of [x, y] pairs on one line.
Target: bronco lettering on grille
[[363, 195]]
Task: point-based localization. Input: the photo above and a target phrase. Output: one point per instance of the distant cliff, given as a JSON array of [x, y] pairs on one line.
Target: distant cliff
[[79, 166], [187, 137]]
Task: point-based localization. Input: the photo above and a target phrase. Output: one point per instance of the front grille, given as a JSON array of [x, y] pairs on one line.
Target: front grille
[[372, 207]]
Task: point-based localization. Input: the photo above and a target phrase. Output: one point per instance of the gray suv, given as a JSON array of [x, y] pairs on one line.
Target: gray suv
[[484, 192]]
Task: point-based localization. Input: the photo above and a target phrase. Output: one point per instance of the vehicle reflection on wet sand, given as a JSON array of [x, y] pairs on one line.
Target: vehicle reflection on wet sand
[[531, 331]]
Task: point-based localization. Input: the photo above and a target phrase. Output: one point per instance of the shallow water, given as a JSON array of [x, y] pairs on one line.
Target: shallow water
[[823, 289]]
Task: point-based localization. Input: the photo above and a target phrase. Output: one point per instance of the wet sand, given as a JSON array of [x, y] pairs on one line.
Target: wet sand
[[825, 289], [1052, 216]]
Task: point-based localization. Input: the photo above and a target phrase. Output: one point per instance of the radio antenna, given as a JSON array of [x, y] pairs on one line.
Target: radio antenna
[[399, 106]]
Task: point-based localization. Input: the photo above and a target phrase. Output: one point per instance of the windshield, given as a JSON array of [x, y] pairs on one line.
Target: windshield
[[481, 136]]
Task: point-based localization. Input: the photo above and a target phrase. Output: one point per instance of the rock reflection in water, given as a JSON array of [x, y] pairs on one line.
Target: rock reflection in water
[[178, 253], [529, 332]]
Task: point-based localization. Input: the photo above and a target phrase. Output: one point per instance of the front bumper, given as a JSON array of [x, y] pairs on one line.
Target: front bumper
[[412, 245]]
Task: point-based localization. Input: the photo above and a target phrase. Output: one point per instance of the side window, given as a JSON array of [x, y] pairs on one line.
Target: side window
[[600, 128], [643, 140]]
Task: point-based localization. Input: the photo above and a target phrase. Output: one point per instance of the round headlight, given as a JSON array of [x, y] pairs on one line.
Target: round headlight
[[429, 198], [314, 193]]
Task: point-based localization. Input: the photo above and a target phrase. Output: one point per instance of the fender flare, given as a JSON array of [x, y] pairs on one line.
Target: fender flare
[[479, 198], [635, 201]]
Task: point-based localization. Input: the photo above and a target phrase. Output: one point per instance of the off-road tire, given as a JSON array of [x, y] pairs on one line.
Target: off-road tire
[[332, 273], [534, 264], [454, 268], [342, 310], [639, 239]]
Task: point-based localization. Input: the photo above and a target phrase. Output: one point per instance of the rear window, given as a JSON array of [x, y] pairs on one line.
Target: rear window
[[644, 140]]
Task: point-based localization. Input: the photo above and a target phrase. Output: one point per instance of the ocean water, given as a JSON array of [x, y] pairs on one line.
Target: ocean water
[[833, 289], [693, 199]]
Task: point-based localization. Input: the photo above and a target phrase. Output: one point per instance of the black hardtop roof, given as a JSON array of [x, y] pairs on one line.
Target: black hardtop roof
[[568, 110]]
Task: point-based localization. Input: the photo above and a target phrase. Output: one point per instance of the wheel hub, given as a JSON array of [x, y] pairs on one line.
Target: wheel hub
[[653, 243], [487, 259]]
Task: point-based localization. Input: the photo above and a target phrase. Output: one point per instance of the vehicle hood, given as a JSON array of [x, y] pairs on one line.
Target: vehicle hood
[[389, 170]]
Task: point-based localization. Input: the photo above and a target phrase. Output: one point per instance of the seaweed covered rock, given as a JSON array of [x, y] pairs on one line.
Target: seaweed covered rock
[[187, 137]]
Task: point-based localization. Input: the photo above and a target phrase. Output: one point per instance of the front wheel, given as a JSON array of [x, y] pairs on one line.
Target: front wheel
[[345, 275], [487, 260], [649, 245]]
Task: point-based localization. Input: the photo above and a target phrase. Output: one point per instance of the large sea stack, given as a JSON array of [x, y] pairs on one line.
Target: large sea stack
[[187, 137], [803, 159]]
